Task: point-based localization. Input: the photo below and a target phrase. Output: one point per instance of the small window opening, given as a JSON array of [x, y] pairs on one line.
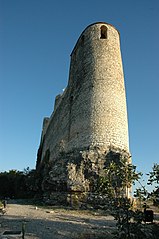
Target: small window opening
[[103, 32]]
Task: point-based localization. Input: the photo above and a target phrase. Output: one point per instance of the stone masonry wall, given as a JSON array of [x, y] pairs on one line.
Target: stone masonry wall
[[92, 110], [91, 113]]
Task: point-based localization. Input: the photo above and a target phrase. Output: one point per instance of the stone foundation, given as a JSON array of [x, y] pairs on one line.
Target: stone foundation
[[72, 178]]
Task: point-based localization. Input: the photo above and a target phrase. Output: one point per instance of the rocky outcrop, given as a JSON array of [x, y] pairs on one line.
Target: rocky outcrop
[[74, 175]]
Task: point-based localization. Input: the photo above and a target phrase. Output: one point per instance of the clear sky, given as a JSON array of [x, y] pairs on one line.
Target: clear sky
[[36, 39]]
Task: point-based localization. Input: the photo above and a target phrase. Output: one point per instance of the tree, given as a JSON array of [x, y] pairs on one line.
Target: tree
[[142, 193], [18, 184], [118, 178], [154, 175], [154, 180]]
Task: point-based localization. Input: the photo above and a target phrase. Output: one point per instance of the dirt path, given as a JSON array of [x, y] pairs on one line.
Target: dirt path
[[55, 223]]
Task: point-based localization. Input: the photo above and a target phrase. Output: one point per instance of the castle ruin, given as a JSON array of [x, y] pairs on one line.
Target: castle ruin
[[89, 122]]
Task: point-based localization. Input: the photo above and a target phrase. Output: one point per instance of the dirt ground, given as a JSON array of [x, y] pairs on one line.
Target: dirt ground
[[55, 223]]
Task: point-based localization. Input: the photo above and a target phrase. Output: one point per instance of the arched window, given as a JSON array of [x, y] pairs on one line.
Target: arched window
[[103, 32]]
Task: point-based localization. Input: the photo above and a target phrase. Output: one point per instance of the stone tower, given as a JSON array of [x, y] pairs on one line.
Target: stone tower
[[89, 123]]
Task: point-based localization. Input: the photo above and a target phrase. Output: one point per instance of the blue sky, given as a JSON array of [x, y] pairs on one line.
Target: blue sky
[[36, 39]]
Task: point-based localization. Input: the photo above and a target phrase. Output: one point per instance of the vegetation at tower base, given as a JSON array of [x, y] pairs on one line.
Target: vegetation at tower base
[[129, 221], [118, 177]]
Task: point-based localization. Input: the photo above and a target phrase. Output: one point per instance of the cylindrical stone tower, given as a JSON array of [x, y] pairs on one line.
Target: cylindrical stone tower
[[97, 89]]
